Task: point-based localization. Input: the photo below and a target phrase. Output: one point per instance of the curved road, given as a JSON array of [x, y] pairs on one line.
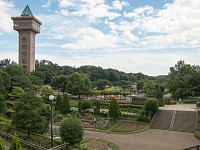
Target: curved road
[[151, 139]]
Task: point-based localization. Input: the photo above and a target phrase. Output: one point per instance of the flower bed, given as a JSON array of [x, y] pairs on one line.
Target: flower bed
[[87, 123], [97, 145], [126, 126]]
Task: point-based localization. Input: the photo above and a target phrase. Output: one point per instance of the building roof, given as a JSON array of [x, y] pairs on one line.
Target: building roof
[[27, 11]]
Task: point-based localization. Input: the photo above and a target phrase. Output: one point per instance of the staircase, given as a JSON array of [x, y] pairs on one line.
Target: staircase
[[162, 119], [183, 121]]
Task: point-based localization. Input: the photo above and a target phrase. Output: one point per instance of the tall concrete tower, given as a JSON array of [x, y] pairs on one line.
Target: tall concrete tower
[[27, 26]]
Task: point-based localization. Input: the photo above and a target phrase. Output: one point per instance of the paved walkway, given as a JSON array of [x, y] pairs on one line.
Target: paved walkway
[[151, 139], [182, 107]]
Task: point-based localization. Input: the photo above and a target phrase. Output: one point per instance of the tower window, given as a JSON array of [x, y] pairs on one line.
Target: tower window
[[24, 61], [24, 46], [24, 39], [24, 54]]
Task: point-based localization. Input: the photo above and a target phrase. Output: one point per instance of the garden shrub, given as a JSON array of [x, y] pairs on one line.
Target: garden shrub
[[71, 131], [86, 104], [80, 107], [142, 118], [2, 147], [58, 116], [151, 106], [191, 101], [15, 145], [198, 103], [114, 110], [161, 102]]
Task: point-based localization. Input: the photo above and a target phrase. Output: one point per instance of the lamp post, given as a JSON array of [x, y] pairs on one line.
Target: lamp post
[[95, 117], [51, 97]]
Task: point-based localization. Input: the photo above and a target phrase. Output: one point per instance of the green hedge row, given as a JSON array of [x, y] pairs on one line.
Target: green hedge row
[[124, 105]]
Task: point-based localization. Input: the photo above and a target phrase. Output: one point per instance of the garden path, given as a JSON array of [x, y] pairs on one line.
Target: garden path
[[151, 139]]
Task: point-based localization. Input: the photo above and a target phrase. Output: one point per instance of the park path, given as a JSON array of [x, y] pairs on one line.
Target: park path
[[151, 139]]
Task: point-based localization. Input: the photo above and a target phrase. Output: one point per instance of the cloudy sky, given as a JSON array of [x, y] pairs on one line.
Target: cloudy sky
[[147, 36]]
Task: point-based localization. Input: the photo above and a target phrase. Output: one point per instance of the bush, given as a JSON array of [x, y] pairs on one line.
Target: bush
[[114, 110], [142, 118], [2, 147], [151, 106], [161, 102], [58, 116], [198, 104], [71, 131], [15, 145], [86, 104]]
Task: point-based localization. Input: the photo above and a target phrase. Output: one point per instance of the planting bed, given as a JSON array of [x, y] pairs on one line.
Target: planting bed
[[126, 126], [97, 145]]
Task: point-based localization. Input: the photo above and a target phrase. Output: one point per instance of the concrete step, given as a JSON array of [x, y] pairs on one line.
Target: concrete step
[[162, 119], [185, 121]]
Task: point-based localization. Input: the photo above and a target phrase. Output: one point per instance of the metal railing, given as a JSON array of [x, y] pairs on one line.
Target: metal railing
[[31, 145], [196, 147], [173, 119]]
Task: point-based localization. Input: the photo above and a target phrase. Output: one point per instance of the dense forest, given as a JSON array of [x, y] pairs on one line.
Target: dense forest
[[182, 81]]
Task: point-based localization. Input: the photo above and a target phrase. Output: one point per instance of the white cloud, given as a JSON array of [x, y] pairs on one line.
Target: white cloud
[[90, 38], [140, 12], [6, 11], [119, 4], [47, 3], [66, 3]]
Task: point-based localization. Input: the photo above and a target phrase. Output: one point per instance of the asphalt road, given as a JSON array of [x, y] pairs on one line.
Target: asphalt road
[[151, 139]]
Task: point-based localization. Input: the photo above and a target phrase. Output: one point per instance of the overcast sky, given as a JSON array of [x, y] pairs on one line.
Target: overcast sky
[[146, 36]]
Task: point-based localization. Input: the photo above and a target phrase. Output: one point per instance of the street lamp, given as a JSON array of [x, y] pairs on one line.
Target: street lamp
[[95, 117], [51, 97]]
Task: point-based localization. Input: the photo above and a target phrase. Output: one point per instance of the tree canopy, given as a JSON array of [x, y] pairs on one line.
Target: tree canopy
[[30, 114]]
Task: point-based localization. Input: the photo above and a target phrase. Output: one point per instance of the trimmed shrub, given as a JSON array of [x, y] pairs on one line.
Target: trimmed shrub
[[151, 106], [114, 110], [66, 107], [71, 131], [86, 104], [80, 107], [161, 102]]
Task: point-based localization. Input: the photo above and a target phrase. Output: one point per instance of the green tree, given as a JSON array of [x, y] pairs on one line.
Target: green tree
[[2, 147], [149, 87], [30, 114], [151, 106], [16, 93], [15, 145], [97, 108], [183, 80], [80, 107], [159, 93], [71, 131], [60, 83], [2, 104], [66, 106], [114, 110], [5, 82], [59, 103], [45, 92], [78, 84]]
